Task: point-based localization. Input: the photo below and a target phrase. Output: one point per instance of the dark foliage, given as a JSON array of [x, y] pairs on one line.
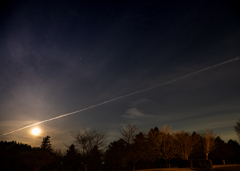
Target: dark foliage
[[46, 145], [9, 159], [36, 158], [89, 141], [72, 160], [120, 155], [235, 147], [95, 157], [115, 154]]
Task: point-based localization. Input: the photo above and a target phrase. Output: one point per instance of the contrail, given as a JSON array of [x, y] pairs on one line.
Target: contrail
[[130, 94]]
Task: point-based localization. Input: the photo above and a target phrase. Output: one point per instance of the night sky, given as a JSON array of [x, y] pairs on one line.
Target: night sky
[[58, 57]]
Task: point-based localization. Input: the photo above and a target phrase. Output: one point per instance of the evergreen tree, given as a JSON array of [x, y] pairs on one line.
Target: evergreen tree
[[72, 160], [46, 145], [116, 154]]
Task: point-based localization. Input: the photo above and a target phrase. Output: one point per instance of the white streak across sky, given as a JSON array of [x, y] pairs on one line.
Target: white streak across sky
[[130, 94]]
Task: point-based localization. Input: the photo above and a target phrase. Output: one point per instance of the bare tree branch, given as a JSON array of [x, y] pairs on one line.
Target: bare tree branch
[[87, 140], [209, 143], [129, 132], [163, 142], [184, 144]]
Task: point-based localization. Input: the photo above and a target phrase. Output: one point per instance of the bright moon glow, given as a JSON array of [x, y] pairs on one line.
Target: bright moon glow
[[35, 131]]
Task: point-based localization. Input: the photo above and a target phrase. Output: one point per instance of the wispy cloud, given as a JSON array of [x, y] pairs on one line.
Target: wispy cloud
[[140, 101], [135, 113]]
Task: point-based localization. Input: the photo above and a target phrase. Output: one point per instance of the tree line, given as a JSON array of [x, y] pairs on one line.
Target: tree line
[[134, 148]]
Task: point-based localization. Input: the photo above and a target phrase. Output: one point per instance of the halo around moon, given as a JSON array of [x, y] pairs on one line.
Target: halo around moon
[[35, 131]]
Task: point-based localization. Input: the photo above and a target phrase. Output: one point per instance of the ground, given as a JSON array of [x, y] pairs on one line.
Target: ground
[[232, 167]]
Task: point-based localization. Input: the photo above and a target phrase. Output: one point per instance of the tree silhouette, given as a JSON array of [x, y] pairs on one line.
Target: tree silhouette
[[235, 149], [72, 152], [72, 160], [137, 149], [197, 148], [87, 140], [162, 142], [237, 128], [133, 145], [95, 157], [184, 144], [129, 132], [37, 158], [46, 145], [116, 154], [209, 143], [222, 151], [9, 159]]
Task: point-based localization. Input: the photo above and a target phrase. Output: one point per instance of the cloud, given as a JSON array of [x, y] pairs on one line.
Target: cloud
[[134, 113], [140, 101]]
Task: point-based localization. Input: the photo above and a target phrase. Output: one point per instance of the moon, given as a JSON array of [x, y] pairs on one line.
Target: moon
[[36, 131]]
